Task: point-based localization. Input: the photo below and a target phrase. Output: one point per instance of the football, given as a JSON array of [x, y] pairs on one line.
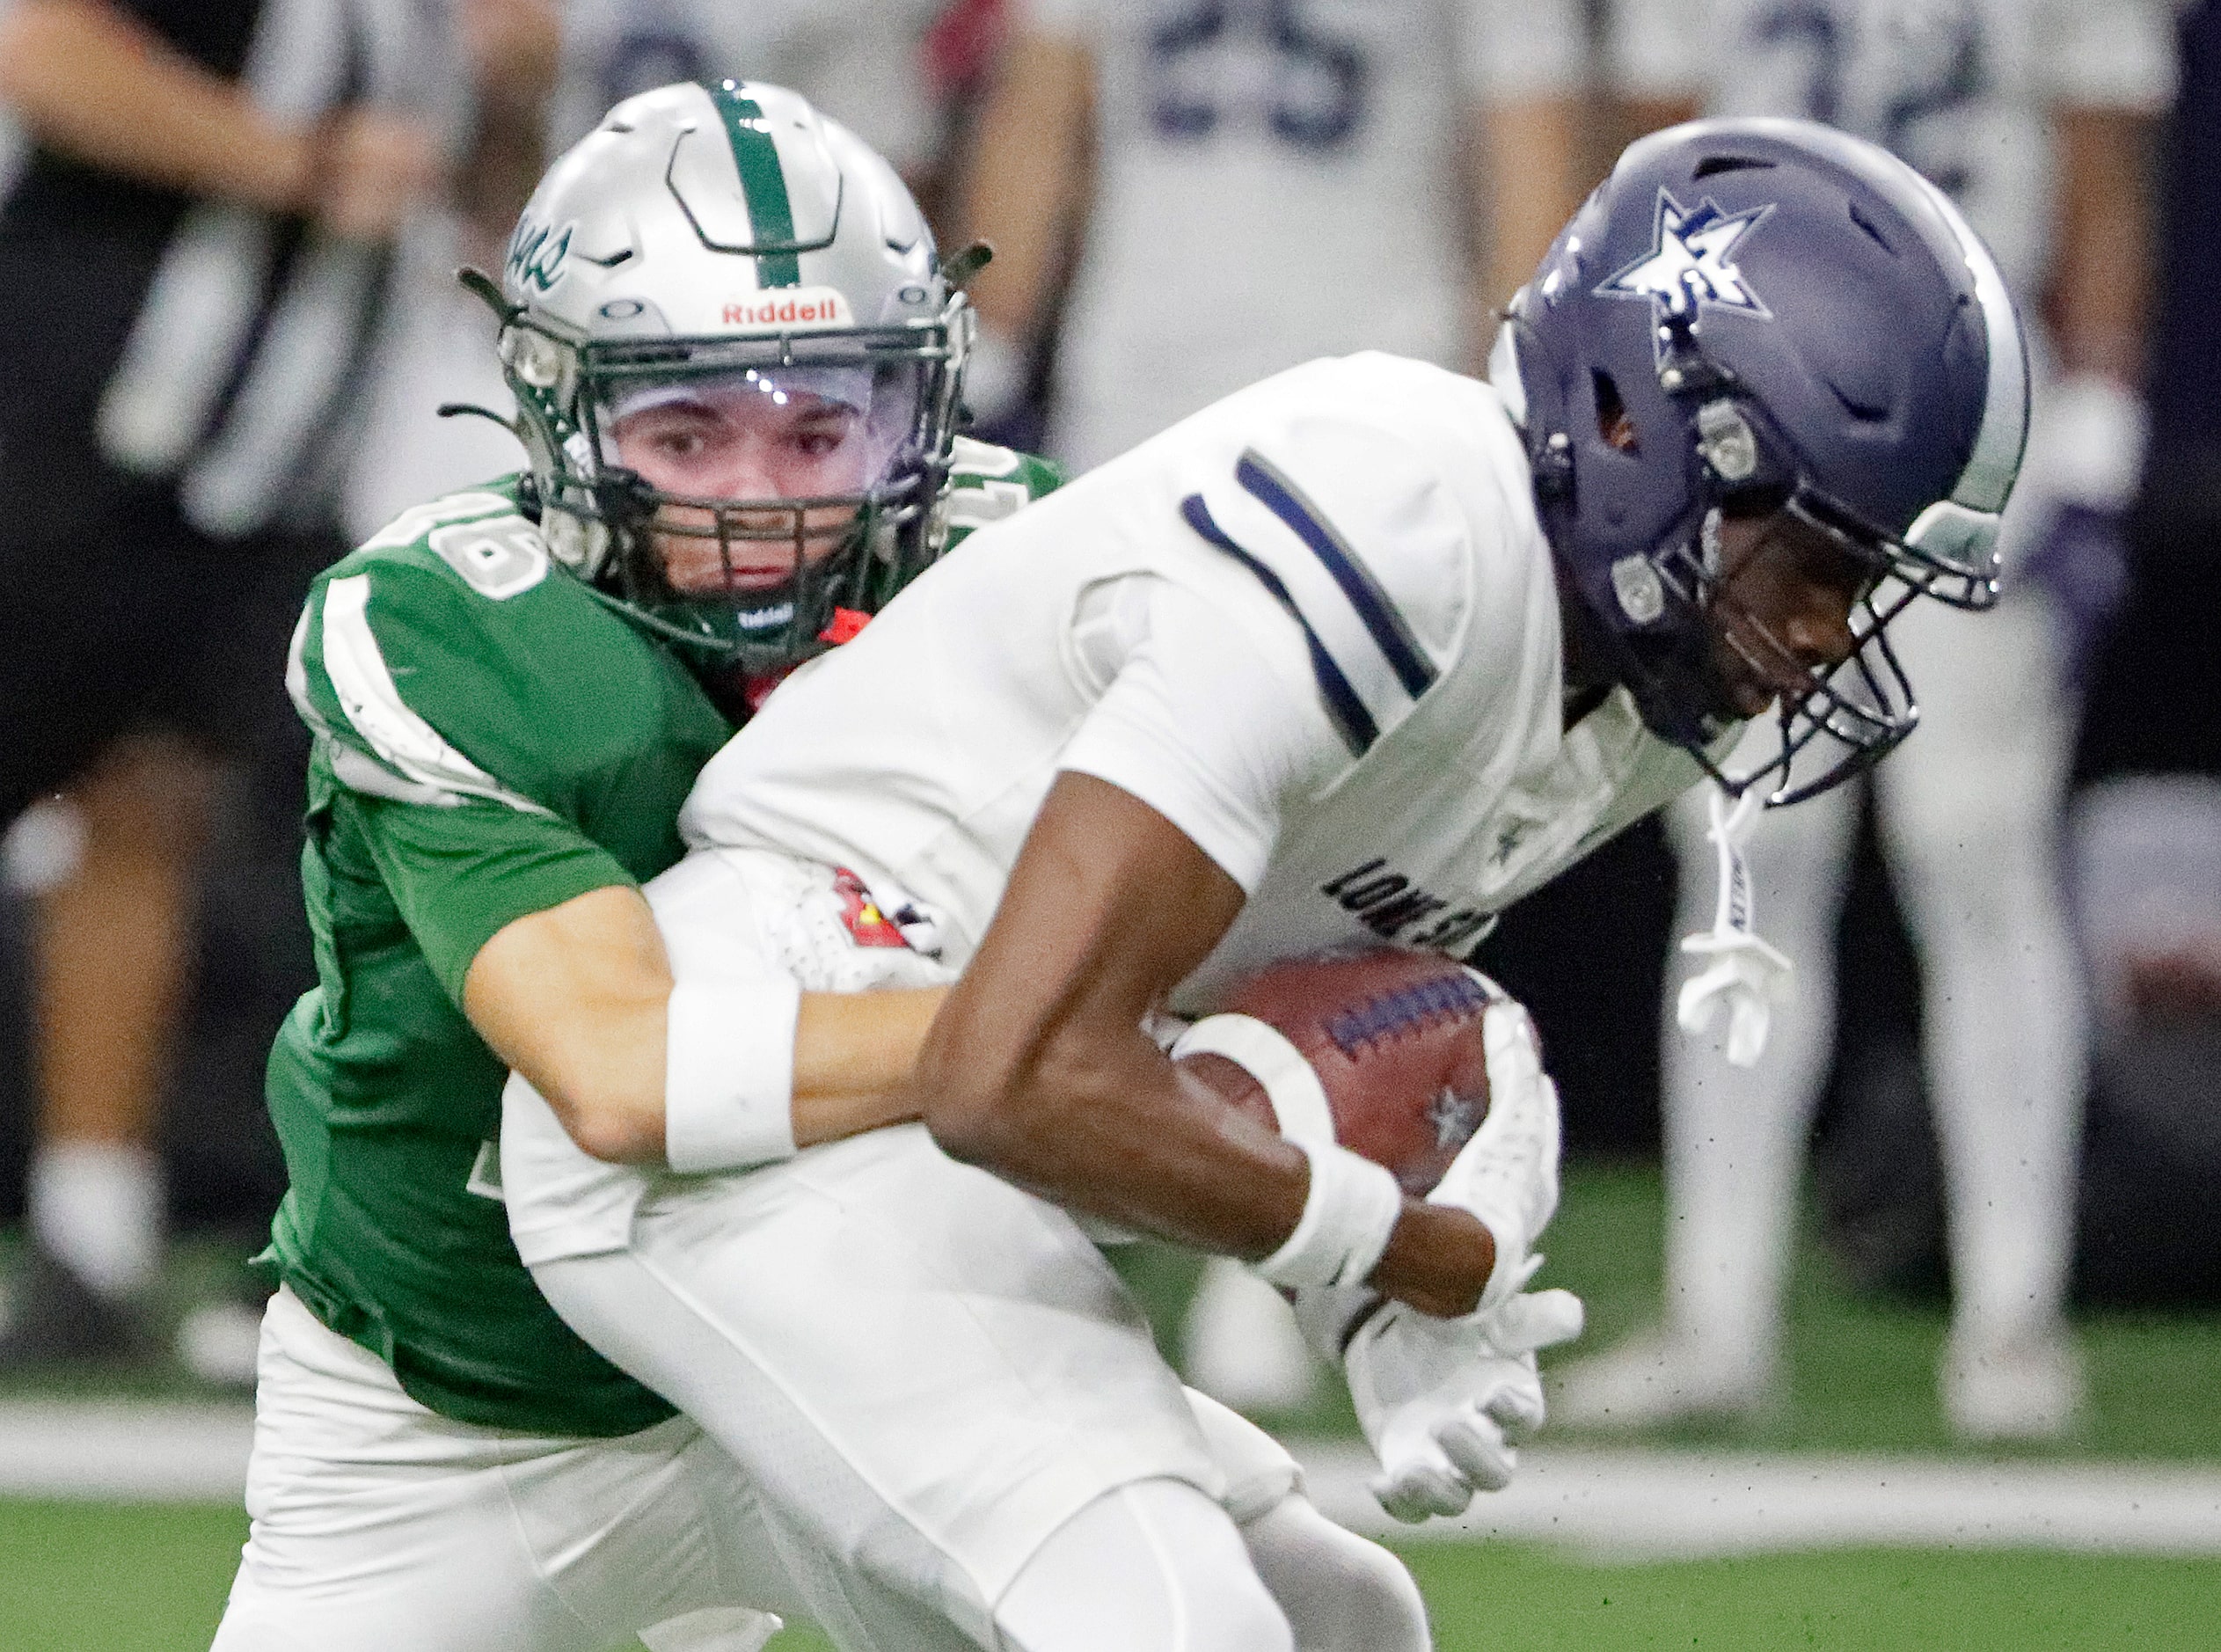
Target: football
[[1395, 1038]]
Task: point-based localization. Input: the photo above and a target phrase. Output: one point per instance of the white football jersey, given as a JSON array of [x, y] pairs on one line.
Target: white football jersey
[[1275, 180], [1315, 625], [858, 60], [1962, 89]]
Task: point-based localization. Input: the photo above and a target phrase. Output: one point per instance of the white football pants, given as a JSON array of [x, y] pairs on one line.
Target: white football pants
[[1969, 810], [937, 1383], [379, 1525]]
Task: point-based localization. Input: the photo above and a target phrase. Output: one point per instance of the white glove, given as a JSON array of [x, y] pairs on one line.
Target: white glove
[[1507, 1174], [1746, 974], [1446, 1403]]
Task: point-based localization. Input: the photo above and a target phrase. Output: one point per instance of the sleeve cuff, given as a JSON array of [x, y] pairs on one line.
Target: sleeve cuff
[[728, 1084]]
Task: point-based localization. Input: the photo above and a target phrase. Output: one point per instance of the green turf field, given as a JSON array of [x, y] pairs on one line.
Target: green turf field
[[92, 1577], [101, 1579]]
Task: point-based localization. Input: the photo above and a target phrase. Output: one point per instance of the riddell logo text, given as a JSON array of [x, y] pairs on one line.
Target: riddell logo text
[[797, 307]]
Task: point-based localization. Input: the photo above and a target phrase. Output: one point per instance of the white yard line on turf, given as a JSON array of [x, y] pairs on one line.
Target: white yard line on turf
[[1609, 1504], [133, 1451], [1684, 1505]]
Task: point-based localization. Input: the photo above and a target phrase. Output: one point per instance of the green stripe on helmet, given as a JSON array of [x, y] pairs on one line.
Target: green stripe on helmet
[[770, 215]]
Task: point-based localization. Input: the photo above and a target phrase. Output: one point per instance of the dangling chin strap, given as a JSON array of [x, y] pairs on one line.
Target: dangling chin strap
[[1746, 974]]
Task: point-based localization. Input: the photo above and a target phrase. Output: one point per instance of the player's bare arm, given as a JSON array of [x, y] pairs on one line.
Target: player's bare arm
[[515, 46], [2103, 272], [1526, 173], [92, 83], [1038, 1070], [576, 998], [1024, 185]]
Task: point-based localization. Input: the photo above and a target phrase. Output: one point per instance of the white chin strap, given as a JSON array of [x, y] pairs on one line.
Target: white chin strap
[[1745, 974]]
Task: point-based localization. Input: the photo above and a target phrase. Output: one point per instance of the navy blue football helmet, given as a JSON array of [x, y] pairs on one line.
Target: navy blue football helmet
[[1752, 316]]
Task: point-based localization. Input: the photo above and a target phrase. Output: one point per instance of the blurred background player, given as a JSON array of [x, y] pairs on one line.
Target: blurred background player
[[2035, 118], [864, 63], [210, 200], [1193, 194], [1242, 186]]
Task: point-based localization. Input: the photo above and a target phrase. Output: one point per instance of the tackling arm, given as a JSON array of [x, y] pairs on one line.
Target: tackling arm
[[1037, 1068], [577, 997]]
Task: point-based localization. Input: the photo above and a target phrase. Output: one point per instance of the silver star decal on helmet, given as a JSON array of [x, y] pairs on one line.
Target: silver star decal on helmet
[[1691, 259]]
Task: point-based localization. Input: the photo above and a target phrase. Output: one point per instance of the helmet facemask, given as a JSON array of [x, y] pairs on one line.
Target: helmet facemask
[[1834, 720], [754, 573], [754, 579], [716, 258]]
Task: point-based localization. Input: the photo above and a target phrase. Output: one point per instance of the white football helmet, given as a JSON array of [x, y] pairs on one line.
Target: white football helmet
[[729, 232]]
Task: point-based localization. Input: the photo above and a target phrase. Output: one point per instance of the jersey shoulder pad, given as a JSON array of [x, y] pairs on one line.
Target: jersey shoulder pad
[[479, 535], [448, 658], [1328, 519], [987, 483]]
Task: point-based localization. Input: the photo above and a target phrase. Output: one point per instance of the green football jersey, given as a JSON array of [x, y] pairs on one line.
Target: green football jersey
[[492, 738]]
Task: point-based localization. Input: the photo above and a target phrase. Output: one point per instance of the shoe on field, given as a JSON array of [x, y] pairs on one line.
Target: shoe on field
[[2027, 1388], [1652, 1381]]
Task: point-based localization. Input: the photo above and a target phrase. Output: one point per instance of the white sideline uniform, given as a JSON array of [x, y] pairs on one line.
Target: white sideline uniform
[[861, 61], [958, 1344], [1969, 807], [1275, 184]]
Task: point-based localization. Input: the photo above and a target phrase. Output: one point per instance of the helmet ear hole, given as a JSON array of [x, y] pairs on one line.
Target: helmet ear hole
[[1712, 166], [1614, 427]]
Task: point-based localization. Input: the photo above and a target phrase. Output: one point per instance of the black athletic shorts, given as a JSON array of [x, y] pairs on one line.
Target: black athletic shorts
[[117, 616]]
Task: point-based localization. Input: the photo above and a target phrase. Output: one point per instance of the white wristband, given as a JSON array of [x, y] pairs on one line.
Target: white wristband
[[1353, 1204], [728, 1071], [1352, 1208], [1263, 1051]]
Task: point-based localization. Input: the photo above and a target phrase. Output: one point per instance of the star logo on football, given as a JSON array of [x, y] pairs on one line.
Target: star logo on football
[[1691, 257], [1454, 1117]]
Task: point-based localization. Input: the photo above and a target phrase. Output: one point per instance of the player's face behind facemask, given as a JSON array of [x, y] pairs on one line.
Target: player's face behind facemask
[[1794, 608], [1781, 609], [1766, 320], [757, 476]]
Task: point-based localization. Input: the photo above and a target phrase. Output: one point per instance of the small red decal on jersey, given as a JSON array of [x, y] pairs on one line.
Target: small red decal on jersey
[[867, 926], [846, 622]]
